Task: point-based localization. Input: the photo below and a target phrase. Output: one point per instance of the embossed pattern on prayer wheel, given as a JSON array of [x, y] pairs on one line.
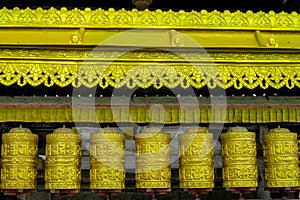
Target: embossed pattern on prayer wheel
[[153, 159], [196, 159], [19, 156], [63, 160], [107, 160], [281, 158], [239, 158]]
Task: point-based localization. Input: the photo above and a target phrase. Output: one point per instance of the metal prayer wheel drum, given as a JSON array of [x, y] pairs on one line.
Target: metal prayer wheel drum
[[107, 161], [19, 155], [153, 160], [63, 160], [239, 158], [281, 158], [196, 159]]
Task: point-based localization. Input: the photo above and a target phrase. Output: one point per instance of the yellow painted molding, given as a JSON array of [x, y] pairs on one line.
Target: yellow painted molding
[[157, 75], [111, 18], [166, 28], [55, 47], [149, 55], [232, 110], [116, 68]]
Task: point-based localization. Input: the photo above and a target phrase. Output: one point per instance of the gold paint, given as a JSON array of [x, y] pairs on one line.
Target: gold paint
[[63, 160], [258, 65], [111, 18], [239, 158], [281, 158], [153, 159], [237, 112], [107, 160], [77, 37], [132, 75], [19, 156], [196, 159]]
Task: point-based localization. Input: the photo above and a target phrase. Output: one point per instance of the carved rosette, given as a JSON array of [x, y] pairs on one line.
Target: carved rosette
[[63, 160], [153, 159], [196, 159], [107, 160], [281, 158], [19, 157], [239, 158]]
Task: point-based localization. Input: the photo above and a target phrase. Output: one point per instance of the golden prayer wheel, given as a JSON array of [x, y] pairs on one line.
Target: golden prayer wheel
[[239, 158], [196, 159], [19, 156], [153, 160], [107, 161], [63, 160], [281, 158]]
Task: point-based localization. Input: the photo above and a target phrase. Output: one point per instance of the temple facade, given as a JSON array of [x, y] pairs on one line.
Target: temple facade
[[149, 103]]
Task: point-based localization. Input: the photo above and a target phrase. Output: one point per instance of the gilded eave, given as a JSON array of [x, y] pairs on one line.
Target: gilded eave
[[153, 48]]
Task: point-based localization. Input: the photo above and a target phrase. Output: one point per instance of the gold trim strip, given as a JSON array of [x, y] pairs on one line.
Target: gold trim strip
[[144, 76], [59, 109], [111, 18]]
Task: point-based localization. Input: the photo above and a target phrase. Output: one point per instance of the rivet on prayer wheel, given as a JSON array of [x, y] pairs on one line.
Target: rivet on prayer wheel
[[107, 161], [281, 158], [63, 160], [19, 155], [239, 158], [153, 160], [196, 159]]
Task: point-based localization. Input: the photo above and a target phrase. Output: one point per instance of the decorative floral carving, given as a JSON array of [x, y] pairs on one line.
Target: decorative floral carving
[[27, 17], [239, 20], [262, 20], [123, 18], [170, 19], [216, 19], [193, 19], [283, 20], [137, 19], [147, 18], [99, 18], [75, 18], [51, 18], [6, 17], [149, 75]]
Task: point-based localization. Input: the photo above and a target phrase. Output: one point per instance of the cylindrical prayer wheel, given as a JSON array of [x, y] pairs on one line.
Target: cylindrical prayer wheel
[[19, 155], [153, 159], [107, 161], [196, 159], [63, 160], [281, 158], [239, 158]]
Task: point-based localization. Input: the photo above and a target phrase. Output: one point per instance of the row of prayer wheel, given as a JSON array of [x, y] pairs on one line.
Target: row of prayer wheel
[[107, 159]]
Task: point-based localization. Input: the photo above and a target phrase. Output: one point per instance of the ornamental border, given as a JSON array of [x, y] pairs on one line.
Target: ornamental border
[[144, 76], [111, 18]]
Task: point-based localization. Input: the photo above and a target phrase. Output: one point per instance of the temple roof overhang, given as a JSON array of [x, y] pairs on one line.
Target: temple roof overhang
[[149, 48]]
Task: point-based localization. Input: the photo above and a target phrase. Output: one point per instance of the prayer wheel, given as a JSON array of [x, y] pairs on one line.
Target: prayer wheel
[[63, 160], [239, 158], [153, 160], [281, 158], [196, 159], [19, 156], [107, 161]]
